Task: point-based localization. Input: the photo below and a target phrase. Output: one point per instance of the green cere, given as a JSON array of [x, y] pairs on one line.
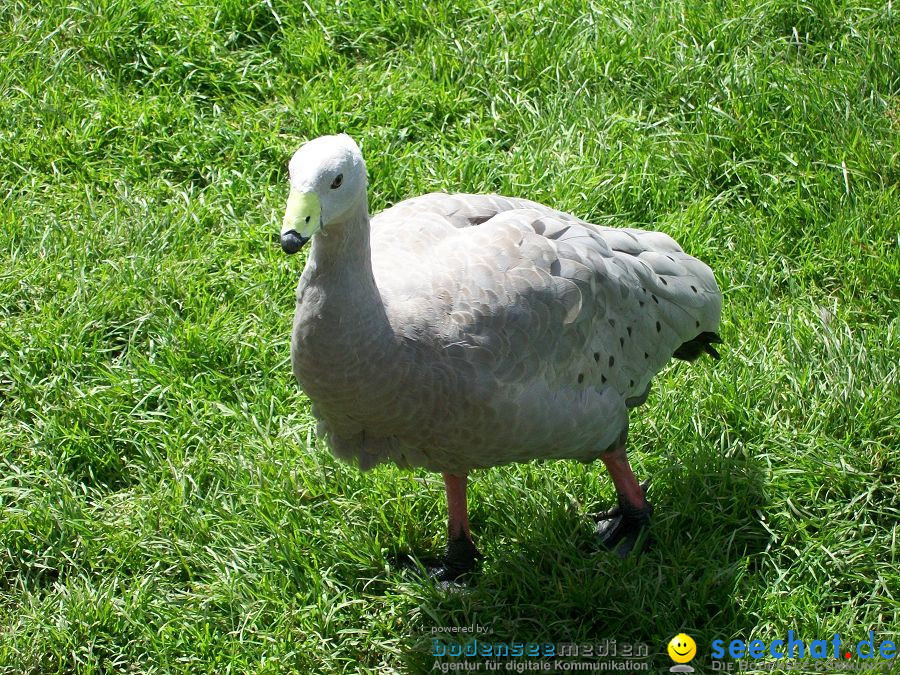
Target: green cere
[[302, 214]]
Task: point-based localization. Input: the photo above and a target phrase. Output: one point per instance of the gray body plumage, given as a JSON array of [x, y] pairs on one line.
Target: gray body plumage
[[456, 332]]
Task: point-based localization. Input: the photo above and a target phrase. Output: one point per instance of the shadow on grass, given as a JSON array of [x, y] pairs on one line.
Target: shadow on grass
[[550, 583]]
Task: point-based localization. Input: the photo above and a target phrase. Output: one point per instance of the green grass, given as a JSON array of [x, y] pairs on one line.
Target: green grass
[[164, 506]]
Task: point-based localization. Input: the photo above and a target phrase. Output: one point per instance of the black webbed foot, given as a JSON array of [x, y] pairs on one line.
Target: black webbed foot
[[458, 562], [623, 528]]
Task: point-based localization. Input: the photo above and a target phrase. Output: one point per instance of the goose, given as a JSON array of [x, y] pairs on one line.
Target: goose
[[458, 332]]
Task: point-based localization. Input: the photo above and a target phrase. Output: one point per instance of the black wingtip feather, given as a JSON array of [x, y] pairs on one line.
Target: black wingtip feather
[[703, 343]]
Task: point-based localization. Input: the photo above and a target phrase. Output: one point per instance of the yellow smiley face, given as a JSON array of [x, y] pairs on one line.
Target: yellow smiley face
[[682, 648]]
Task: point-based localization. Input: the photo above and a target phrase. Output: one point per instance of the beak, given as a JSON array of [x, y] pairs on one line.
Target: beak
[[291, 242], [302, 219]]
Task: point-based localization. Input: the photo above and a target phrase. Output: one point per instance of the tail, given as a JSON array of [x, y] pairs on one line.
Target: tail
[[693, 349]]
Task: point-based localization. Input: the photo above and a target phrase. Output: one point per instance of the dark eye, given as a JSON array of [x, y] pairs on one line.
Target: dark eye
[[336, 183]]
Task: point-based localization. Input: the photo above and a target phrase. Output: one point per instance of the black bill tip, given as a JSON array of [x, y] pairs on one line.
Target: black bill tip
[[291, 241]]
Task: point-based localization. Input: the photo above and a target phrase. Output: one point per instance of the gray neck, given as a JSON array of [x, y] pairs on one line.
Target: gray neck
[[342, 250], [343, 345], [339, 286]]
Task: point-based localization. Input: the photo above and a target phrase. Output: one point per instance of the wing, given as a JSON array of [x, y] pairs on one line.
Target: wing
[[534, 294], [461, 210]]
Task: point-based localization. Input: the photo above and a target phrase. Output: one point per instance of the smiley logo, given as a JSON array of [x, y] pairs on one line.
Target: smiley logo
[[682, 649]]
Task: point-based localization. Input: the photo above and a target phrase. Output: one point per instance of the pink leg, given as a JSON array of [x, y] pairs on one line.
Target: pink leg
[[623, 477], [457, 510], [620, 528], [461, 554]]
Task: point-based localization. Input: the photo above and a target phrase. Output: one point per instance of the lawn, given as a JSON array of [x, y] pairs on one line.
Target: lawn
[[164, 503]]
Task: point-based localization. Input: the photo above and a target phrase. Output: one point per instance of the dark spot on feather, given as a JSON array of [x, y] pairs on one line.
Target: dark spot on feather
[[670, 258], [646, 355], [698, 324], [663, 279], [630, 383], [658, 327], [641, 302], [655, 299], [603, 379], [580, 378], [597, 357], [611, 361], [643, 289], [559, 233], [612, 322], [694, 288], [621, 342], [629, 331]]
